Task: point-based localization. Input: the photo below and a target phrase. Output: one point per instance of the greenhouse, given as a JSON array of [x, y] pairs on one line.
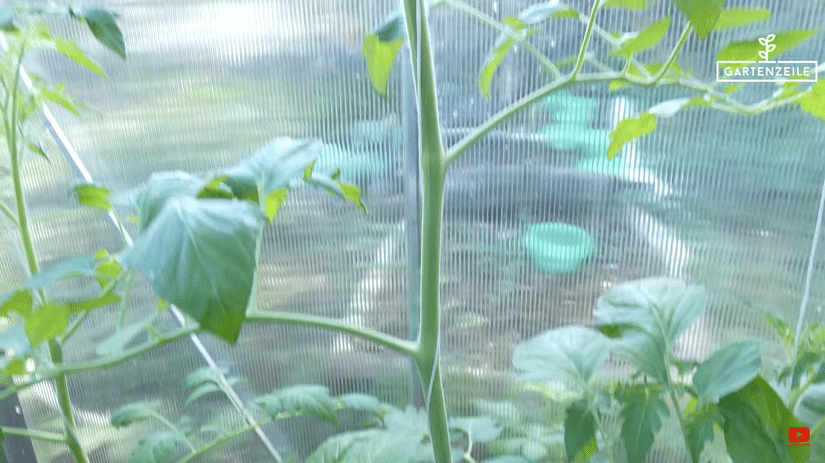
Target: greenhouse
[[403, 231]]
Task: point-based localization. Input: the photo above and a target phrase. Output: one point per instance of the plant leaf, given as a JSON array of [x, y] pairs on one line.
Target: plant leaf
[[303, 399], [151, 197], [104, 28], [811, 405], [380, 48], [204, 375], [7, 19], [668, 108], [703, 14], [121, 338], [200, 256], [69, 49], [628, 4], [542, 11], [649, 36], [727, 370], [201, 391], [579, 432], [477, 428], [735, 17], [19, 301], [642, 413], [364, 402], [813, 102], [630, 129], [133, 413], [46, 322], [570, 353], [663, 307], [700, 425], [157, 448], [503, 44], [93, 196], [756, 423], [333, 185]]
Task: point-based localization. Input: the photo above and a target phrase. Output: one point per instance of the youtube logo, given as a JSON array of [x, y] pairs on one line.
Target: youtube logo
[[799, 435]]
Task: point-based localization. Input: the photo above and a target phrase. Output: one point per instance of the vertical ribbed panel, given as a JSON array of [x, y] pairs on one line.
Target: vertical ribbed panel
[[726, 201]]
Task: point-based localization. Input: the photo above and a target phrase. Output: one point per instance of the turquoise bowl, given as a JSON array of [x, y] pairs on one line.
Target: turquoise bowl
[[557, 248]]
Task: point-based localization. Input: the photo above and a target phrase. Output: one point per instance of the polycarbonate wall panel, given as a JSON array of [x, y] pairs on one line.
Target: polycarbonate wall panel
[[729, 202]]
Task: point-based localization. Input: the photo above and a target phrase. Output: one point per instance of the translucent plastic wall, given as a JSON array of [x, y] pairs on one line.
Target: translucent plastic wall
[[729, 202]]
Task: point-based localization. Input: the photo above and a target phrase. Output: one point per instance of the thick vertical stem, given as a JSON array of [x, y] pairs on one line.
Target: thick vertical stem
[[55, 350], [432, 179]]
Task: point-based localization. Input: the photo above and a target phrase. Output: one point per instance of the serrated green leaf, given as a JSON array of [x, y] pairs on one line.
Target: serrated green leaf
[[380, 55], [200, 256], [104, 27], [735, 17], [642, 418], [58, 96], [364, 402], [502, 46], [748, 50], [630, 129], [579, 432], [215, 189], [334, 186], [727, 370], [649, 36], [542, 11], [703, 14], [201, 391], [756, 423], [477, 428], [273, 202], [133, 413], [107, 270], [93, 196], [568, 354], [700, 424], [157, 448], [37, 149], [814, 102], [19, 301], [46, 322], [69, 49], [308, 399]]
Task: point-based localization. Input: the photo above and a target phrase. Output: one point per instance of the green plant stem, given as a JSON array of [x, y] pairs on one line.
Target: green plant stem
[[681, 419], [586, 40], [55, 350], [32, 434], [171, 426], [673, 54], [508, 31], [220, 440], [402, 346], [433, 168]]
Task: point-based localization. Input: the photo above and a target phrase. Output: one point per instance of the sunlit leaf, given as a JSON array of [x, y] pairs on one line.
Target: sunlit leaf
[[151, 197], [364, 402], [502, 46], [302, 399], [630, 129], [134, 412], [92, 303], [702, 14], [93, 196], [814, 102], [19, 301], [66, 268], [333, 185], [200, 256], [649, 36], [70, 49], [735, 17], [380, 55], [541, 11], [58, 96], [628, 4], [273, 201], [46, 322], [104, 28]]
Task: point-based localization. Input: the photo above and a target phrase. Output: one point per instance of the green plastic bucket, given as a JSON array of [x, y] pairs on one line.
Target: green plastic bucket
[[557, 248]]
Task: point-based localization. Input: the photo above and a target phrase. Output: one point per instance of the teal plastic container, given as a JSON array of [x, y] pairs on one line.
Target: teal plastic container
[[557, 248]]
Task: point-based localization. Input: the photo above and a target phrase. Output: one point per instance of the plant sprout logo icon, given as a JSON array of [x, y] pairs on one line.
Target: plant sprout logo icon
[[769, 47]]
